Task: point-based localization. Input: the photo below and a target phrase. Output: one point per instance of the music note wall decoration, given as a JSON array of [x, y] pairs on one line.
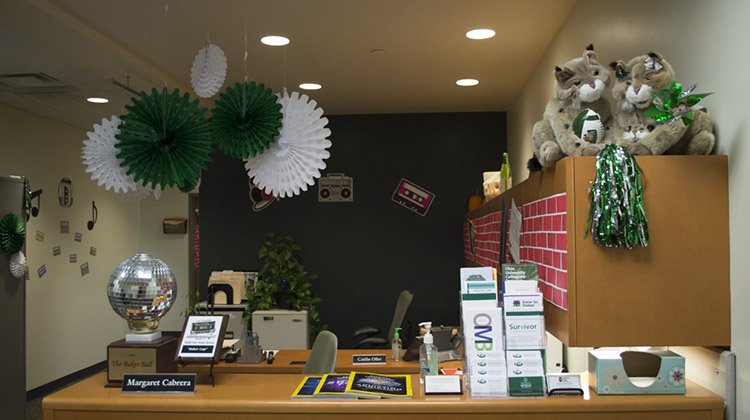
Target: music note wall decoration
[[94, 216], [38, 196]]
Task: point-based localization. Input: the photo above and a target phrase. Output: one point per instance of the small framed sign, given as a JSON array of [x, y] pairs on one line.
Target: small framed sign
[[201, 338], [368, 359]]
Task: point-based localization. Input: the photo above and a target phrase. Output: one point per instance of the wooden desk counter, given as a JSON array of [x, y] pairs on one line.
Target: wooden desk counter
[[267, 396], [292, 361]]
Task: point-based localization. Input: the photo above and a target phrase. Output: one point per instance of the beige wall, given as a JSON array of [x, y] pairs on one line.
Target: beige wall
[[68, 318], [172, 249], [706, 43]]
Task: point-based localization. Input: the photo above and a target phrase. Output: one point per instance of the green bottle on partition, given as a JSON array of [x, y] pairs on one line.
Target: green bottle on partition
[[505, 179], [396, 345]]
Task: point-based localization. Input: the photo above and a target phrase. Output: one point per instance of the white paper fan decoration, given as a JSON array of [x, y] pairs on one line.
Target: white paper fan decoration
[[293, 162], [209, 71], [141, 193], [100, 157]]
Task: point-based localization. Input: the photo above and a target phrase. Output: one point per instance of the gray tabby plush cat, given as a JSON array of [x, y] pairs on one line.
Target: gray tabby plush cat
[[581, 83], [636, 83]]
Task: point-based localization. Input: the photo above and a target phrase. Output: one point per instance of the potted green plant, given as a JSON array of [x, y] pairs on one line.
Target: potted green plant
[[283, 283]]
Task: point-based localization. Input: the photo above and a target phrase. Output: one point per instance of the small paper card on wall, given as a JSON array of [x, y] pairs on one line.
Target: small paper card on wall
[[92, 251], [413, 197], [64, 226], [200, 339], [84, 269], [79, 237], [56, 250], [42, 271], [73, 258], [40, 236]]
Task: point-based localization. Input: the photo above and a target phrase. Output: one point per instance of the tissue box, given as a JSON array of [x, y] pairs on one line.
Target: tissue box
[[636, 372]]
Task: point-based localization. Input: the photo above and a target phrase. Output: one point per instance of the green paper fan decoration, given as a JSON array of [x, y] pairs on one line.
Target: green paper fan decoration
[[246, 120], [165, 139], [12, 233]]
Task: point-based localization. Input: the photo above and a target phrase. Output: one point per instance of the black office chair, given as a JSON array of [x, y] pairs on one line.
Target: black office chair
[[371, 341]]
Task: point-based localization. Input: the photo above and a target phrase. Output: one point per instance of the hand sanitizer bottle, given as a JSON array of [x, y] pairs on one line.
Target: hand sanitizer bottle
[[396, 345], [428, 354]]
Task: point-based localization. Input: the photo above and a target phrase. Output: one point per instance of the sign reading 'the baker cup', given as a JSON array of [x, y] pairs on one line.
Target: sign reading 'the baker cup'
[[159, 383], [201, 337]]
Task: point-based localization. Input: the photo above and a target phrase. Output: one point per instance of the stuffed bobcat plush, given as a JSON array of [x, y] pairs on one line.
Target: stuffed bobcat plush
[[581, 83], [636, 82]]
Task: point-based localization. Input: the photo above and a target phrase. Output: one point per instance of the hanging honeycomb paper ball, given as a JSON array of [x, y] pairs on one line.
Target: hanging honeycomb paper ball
[[209, 71], [18, 265], [294, 162]]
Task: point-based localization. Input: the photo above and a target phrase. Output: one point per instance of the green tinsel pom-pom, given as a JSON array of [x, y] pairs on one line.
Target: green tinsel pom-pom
[[246, 120], [617, 217], [12, 233], [165, 139]]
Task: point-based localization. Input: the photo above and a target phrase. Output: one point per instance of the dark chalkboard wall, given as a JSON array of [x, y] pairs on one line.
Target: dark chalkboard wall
[[367, 251]]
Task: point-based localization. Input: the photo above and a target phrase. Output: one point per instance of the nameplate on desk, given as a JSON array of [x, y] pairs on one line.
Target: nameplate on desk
[[164, 383], [368, 359]]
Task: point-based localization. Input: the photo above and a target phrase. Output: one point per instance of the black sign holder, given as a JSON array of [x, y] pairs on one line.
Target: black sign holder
[[213, 358]]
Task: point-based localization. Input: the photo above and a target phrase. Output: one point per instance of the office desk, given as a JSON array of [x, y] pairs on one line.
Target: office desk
[[267, 396], [292, 361]]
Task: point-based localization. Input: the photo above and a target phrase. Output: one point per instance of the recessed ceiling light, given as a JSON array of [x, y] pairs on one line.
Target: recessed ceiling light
[[275, 40], [95, 100], [310, 86], [480, 34], [467, 82]]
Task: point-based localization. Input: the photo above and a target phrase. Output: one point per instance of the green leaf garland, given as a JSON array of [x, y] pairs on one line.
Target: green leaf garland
[[165, 139], [617, 217], [246, 120], [12, 233]]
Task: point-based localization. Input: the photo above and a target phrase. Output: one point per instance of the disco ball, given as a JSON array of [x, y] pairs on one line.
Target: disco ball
[[142, 289]]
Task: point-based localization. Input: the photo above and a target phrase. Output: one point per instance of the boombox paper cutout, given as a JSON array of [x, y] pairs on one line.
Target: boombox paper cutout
[[413, 197], [336, 188]]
